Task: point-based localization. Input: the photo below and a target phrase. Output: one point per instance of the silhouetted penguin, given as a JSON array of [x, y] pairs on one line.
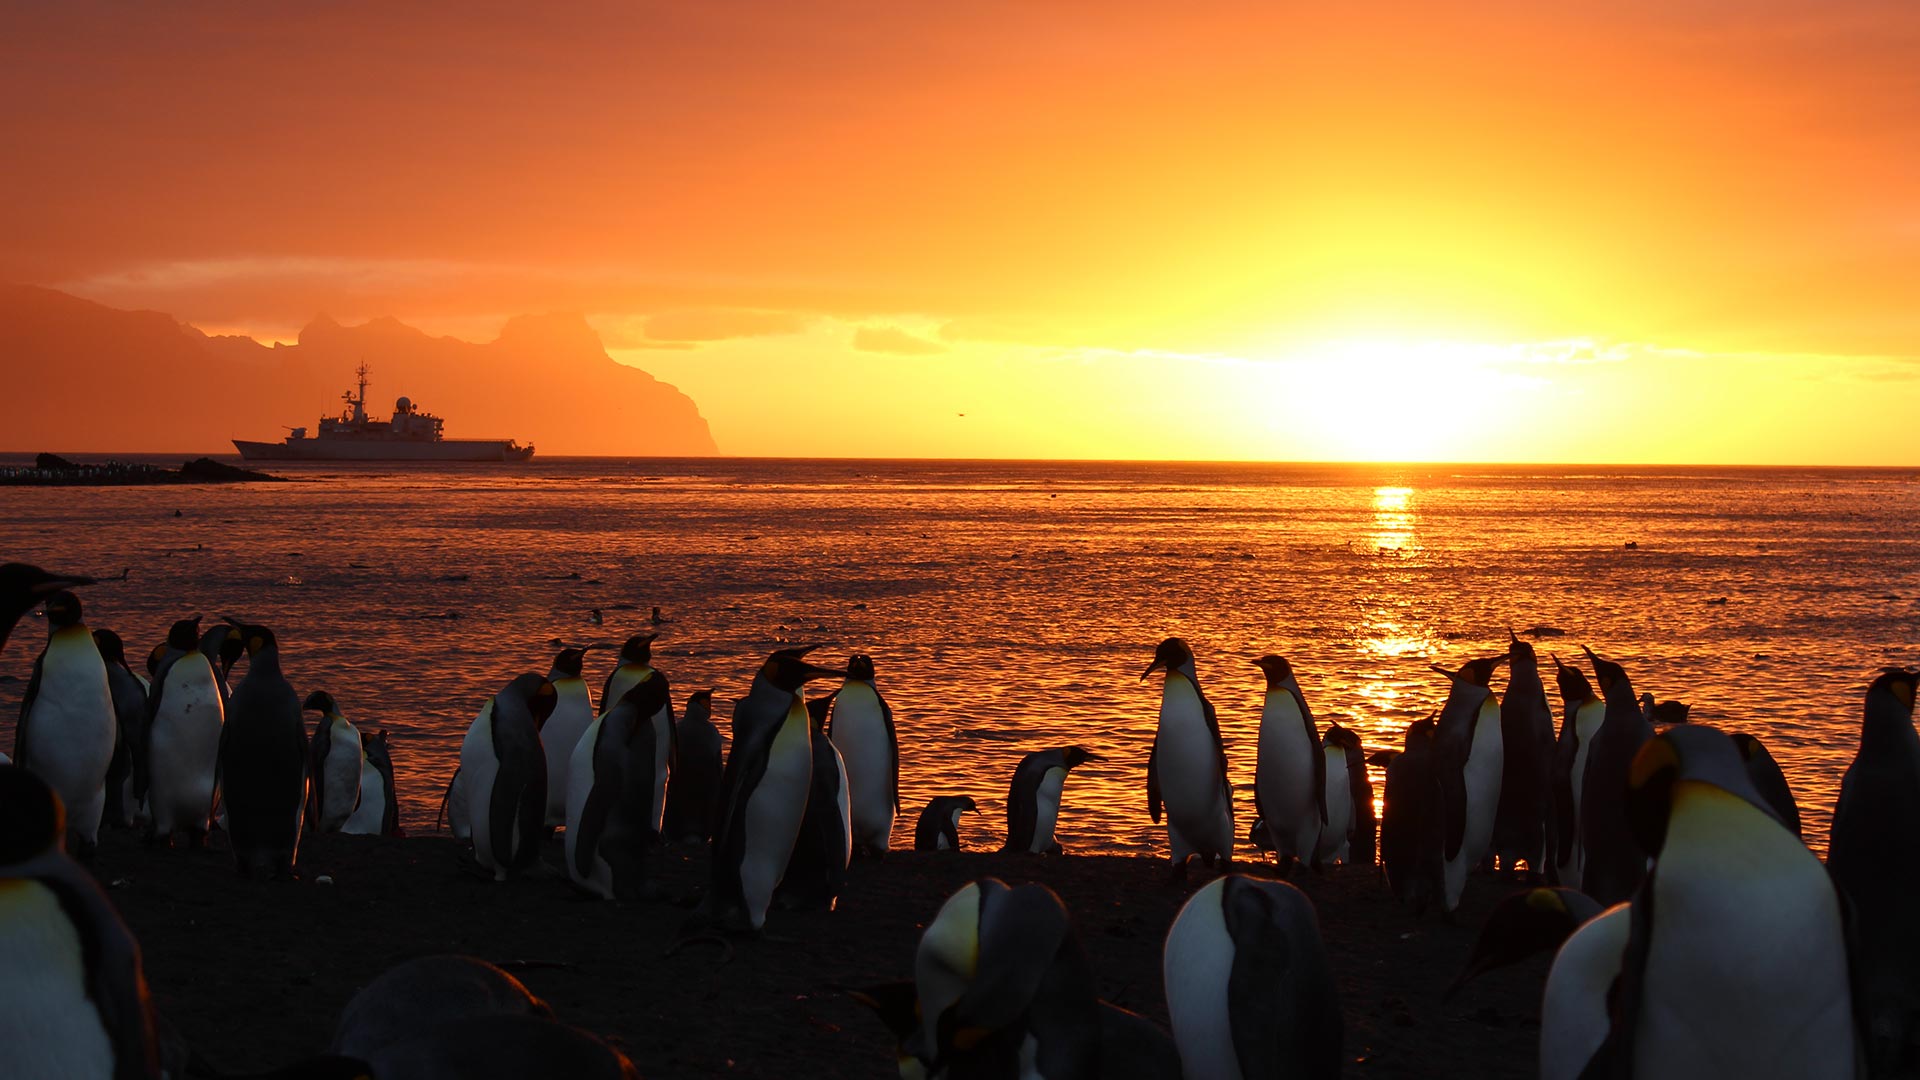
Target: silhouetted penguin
[[1366, 823], [1736, 960], [1767, 779], [1522, 924], [862, 730], [1663, 712], [1336, 836], [23, 586], [1033, 798], [939, 826], [73, 1001], [1290, 777], [130, 723], [333, 766], [1187, 769], [504, 773], [1469, 759], [1249, 991], [67, 728], [768, 779], [818, 868], [1005, 988], [263, 761], [186, 711], [609, 796], [420, 994], [1412, 823], [1613, 860], [572, 712], [1526, 778], [1874, 857], [1582, 715], [693, 798], [636, 663], [379, 812]]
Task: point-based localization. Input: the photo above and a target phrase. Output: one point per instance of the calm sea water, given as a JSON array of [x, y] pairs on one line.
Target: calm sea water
[[1011, 606]]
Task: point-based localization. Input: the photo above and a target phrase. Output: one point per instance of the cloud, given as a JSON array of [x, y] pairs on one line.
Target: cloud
[[719, 324], [892, 339]]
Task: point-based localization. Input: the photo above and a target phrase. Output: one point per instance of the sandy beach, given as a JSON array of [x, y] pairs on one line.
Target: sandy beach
[[254, 974]]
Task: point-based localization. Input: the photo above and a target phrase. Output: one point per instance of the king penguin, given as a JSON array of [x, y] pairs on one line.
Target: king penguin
[[609, 796], [1612, 858], [1736, 957], [186, 711], [1582, 715], [1767, 779], [130, 725], [1526, 739], [22, 586], [1412, 823], [1033, 797], [263, 761], [862, 730], [821, 853], [939, 826], [1336, 835], [636, 663], [1469, 759], [379, 812], [572, 712], [1290, 776], [67, 728], [1874, 856], [1365, 829], [333, 766], [768, 777], [1249, 991], [1187, 768], [503, 772], [1005, 988], [693, 797], [74, 1000]]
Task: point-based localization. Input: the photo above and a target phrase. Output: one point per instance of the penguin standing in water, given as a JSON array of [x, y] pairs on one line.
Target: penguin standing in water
[[1469, 759], [694, 797], [1290, 776], [636, 663], [572, 712], [1412, 824], [939, 826], [74, 1000], [1612, 858], [22, 586], [1736, 958], [1874, 857], [768, 780], [1033, 798], [334, 760], [824, 848], [1005, 988], [862, 731], [1336, 835], [504, 775], [1526, 739], [263, 761], [186, 712], [1249, 991], [379, 812], [609, 796], [1767, 779], [1187, 768], [67, 729], [1580, 722], [130, 728]]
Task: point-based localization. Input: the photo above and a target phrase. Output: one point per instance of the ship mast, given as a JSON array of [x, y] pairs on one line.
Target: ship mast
[[358, 413]]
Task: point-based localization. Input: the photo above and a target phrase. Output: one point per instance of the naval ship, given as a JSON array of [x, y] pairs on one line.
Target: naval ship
[[355, 435]]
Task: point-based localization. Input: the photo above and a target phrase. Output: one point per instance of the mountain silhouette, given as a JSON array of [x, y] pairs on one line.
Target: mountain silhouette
[[84, 377]]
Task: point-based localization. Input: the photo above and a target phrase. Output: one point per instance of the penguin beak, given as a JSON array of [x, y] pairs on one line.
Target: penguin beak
[[1151, 668], [57, 582], [1441, 670], [815, 671]]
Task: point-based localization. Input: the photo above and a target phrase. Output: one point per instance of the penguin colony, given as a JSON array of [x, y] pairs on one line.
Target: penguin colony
[[1693, 933]]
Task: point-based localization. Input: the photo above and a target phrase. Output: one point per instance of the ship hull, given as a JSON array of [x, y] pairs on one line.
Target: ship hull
[[353, 450]]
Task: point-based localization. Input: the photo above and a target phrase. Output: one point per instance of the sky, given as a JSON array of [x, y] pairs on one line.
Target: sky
[[1678, 231]]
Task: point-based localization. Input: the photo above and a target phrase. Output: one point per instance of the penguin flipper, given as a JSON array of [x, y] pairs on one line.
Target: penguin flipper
[[20, 751], [1320, 782], [1219, 750], [1153, 781], [510, 796], [593, 823], [1022, 813], [446, 797], [1453, 806], [893, 745], [1261, 1004]]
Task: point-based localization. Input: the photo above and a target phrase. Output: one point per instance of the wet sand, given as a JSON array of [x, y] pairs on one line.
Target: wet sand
[[253, 974]]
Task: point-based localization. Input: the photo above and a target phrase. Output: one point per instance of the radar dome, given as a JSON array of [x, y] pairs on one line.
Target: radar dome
[[404, 405]]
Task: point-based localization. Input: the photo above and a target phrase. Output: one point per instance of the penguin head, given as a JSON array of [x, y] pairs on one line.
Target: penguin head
[[1573, 683], [1277, 669], [1749, 745], [252, 638], [154, 657], [1607, 673], [32, 818], [1679, 763], [322, 702], [1170, 655], [817, 712], [112, 649], [1891, 695], [789, 670], [638, 649], [1474, 672], [860, 666], [1419, 734], [1524, 923], [184, 634], [1076, 756], [541, 698], [23, 584], [63, 610], [568, 663], [648, 696], [1520, 654], [1008, 941], [699, 705], [1344, 738]]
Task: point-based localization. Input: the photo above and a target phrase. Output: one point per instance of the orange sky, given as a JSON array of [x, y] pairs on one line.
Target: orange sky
[[1632, 231]]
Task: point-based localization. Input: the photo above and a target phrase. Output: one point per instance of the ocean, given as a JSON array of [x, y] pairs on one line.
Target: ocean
[[1012, 606]]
